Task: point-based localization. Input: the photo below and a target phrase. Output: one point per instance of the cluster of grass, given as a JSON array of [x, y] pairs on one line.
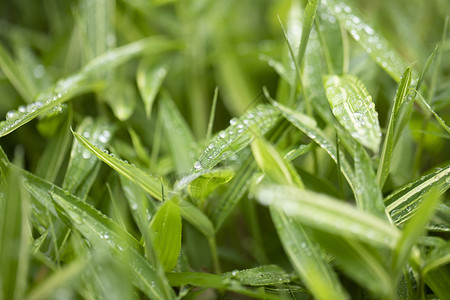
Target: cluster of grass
[[227, 149]]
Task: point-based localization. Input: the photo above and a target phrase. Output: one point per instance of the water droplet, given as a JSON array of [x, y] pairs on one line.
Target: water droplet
[[222, 134], [233, 121], [86, 154], [198, 165]]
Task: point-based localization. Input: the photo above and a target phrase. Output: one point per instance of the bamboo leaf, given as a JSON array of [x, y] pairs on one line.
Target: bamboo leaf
[[149, 183], [260, 276], [353, 107], [403, 203], [166, 234]]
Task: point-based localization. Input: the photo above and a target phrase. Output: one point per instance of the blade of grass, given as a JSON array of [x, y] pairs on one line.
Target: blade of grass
[[388, 145], [307, 258], [403, 203], [149, 183], [353, 107], [328, 214], [149, 79], [178, 135], [237, 136], [373, 43], [166, 234], [97, 227]]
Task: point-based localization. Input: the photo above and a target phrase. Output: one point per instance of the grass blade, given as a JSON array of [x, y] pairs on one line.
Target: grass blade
[[83, 165], [328, 214], [16, 76], [237, 136], [13, 237], [166, 234], [97, 227], [388, 145], [373, 43], [260, 276], [367, 194], [307, 259], [149, 183], [353, 107], [414, 228], [403, 203], [178, 136], [149, 80]]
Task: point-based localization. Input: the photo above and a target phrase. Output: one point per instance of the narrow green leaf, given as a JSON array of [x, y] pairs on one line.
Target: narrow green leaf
[[83, 165], [353, 107], [359, 262], [61, 278], [97, 227], [308, 21], [166, 234], [309, 127], [436, 116], [414, 228], [218, 282], [373, 43], [16, 76], [179, 137], [79, 83], [403, 203], [438, 280], [388, 145], [328, 214], [306, 257], [13, 237], [260, 276], [438, 257], [367, 194], [197, 218], [200, 185], [237, 136], [273, 166], [149, 80], [149, 183]]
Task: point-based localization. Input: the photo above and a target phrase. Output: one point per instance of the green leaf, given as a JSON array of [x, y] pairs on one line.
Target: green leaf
[[201, 184], [367, 193], [306, 257], [260, 276], [414, 228], [14, 237], [353, 107], [373, 43], [16, 76], [438, 257], [149, 183], [95, 226], [59, 279], [166, 234], [83, 165], [197, 218], [309, 127], [403, 203], [388, 145], [237, 136], [328, 214], [179, 137], [359, 262], [273, 166], [438, 280], [208, 280], [149, 80]]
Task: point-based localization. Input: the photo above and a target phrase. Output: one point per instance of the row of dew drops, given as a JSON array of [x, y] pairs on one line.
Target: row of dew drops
[[236, 136]]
